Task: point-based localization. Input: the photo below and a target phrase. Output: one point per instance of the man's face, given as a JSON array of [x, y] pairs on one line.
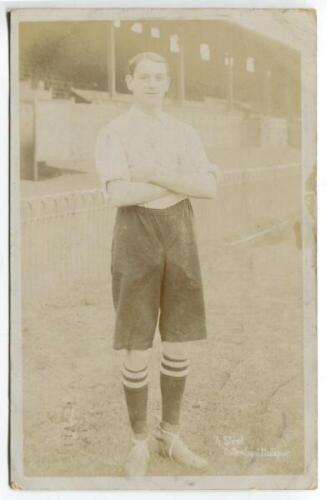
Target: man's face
[[149, 83]]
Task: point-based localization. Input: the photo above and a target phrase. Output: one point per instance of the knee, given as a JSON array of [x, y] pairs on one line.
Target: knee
[[135, 359], [176, 350]]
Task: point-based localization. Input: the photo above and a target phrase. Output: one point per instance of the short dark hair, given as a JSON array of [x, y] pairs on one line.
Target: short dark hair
[[142, 56]]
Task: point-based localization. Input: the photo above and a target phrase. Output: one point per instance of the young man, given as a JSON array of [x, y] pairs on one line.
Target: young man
[[151, 164]]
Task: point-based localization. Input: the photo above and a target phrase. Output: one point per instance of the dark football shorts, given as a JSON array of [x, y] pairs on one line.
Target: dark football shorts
[[156, 272]]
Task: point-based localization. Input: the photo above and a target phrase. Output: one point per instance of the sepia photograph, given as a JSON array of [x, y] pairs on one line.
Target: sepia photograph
[[163, 249]]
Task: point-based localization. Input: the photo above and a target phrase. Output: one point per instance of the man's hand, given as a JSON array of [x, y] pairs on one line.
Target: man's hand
[[197, 184], [142, 173], [123, 193]]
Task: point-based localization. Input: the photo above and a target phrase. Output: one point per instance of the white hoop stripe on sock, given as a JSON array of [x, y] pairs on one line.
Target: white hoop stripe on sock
[[135, 385], [174, 363], [134, 379], [133, 373], [174, 367], [174, 374]]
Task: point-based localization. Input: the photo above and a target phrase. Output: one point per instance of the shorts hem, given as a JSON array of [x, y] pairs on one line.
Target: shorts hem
[[180, 338], [183, 341], [132, 347]]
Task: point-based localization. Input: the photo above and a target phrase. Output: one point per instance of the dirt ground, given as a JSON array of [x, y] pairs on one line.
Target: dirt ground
[[243, 405]]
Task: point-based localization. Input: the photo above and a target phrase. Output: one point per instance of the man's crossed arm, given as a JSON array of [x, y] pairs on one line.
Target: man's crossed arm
[[123, 193], [147, 185]]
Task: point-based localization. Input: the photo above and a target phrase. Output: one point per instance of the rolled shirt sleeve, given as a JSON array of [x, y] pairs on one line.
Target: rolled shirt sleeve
[[196, 155], [110, 157]]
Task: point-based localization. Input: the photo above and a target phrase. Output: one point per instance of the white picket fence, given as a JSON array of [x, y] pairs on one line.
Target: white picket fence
[[66, 238]]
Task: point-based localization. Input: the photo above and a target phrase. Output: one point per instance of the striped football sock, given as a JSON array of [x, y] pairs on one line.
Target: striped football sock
[[135, 383], [173, 373]]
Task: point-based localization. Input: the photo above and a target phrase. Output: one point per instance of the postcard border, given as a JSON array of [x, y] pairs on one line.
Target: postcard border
[[306, 481]]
